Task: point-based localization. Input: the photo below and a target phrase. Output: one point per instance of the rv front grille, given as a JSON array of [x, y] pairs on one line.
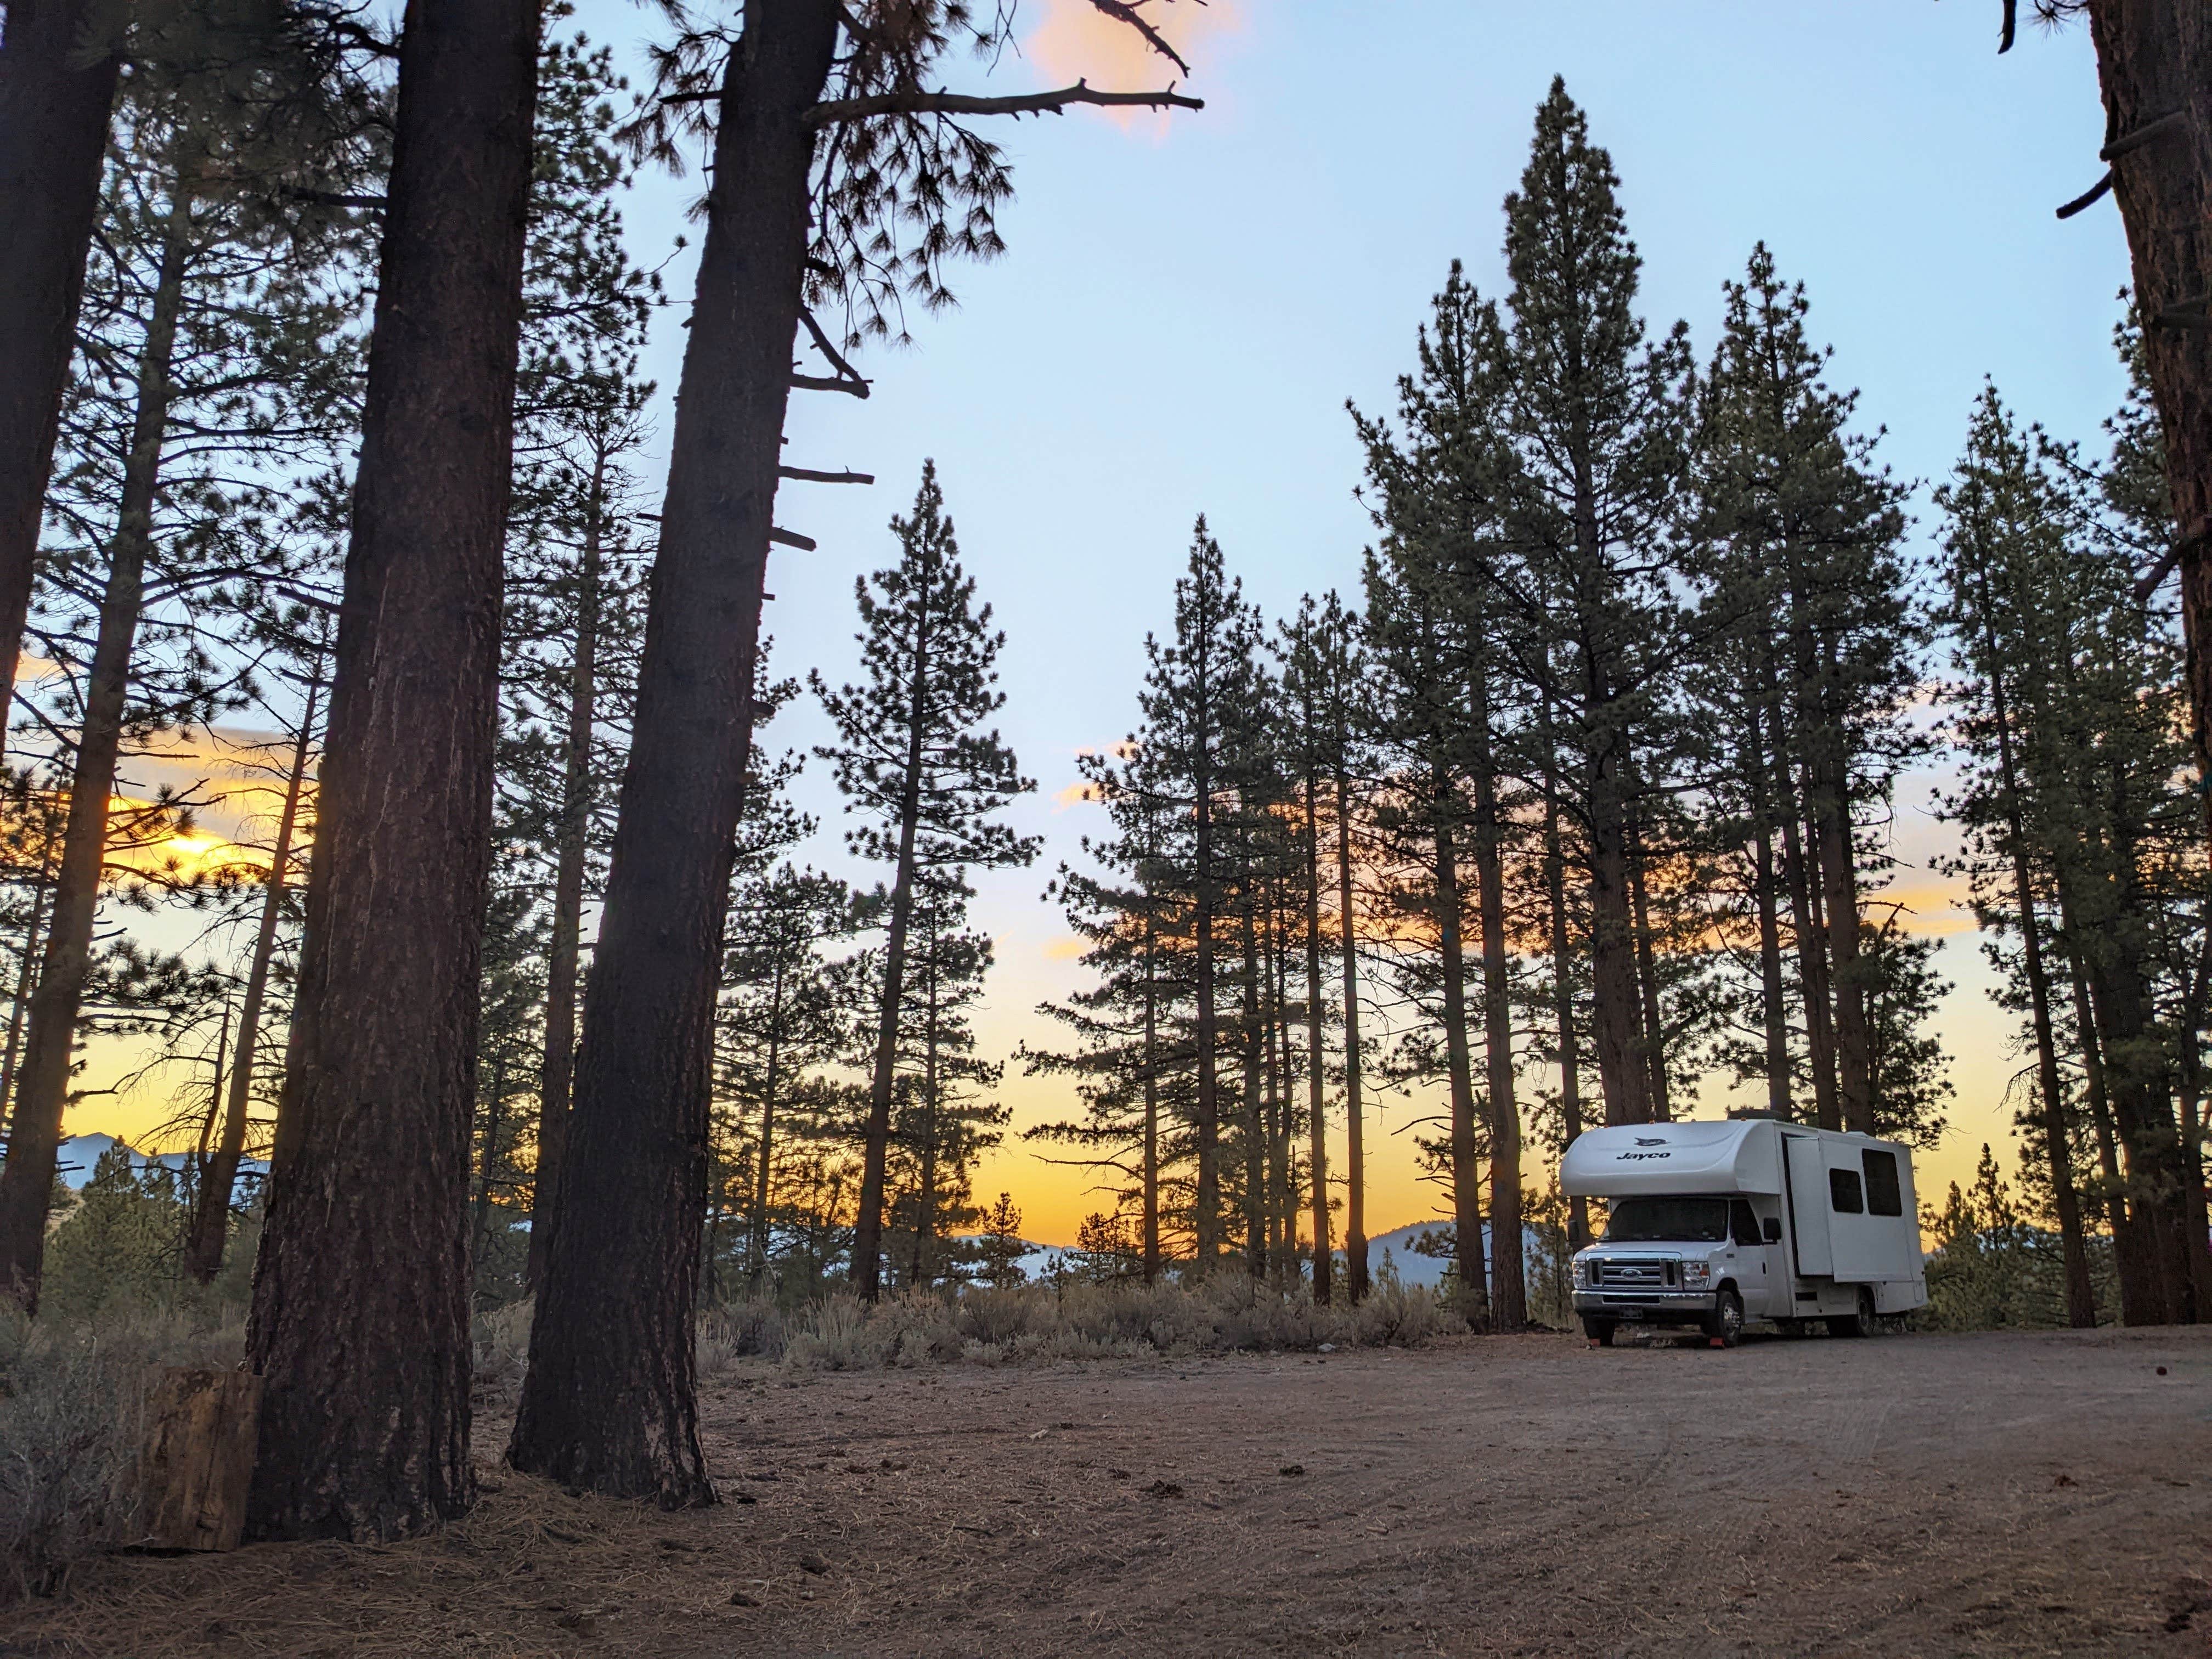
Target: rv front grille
[[1634, 1273]]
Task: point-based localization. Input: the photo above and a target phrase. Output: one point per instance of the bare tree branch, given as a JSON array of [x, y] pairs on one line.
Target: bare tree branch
[[808, 475], [821, 343], [783, 538], [2173, 121], [2009, 31], [962, 103], [1124, 11], [823, 383], [2088, 197]]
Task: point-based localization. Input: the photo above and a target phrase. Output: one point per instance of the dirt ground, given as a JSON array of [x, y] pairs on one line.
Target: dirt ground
[[1918, 1495]]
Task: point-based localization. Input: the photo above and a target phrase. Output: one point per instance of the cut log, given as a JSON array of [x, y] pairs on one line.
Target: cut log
[[198, 1461]]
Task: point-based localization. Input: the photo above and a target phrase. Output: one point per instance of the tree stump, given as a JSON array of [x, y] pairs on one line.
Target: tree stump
[[198, 1460]]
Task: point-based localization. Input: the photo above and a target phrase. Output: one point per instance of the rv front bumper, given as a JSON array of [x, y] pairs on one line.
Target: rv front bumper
[[1644, 1304]]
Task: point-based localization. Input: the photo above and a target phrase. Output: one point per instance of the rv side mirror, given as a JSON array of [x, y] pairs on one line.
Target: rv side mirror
[[1773, 1228]]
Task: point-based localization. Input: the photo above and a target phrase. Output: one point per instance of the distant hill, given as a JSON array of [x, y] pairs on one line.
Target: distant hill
[[81, 1154]]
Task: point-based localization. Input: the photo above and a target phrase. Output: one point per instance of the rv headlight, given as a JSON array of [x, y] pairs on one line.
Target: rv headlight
[[1582, 1270], [1697, 1275]]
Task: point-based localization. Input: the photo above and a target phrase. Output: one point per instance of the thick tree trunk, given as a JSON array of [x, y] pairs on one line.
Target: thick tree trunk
[[366, 1248], [34, 935], [2154, 60], [611, 1401], [1812, 974], [210, 1224], [1355, 1153], [1467, 1179], [50, 1041], [1508, 1280], [567, 943], [56, 91], [1317, 1099]]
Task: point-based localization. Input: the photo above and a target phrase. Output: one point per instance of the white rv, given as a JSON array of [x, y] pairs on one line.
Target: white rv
[[1714, 1223]]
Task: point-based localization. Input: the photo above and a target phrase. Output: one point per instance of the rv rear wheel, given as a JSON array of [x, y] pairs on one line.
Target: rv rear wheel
[[1861, 1323], [1724, 1325], [1599, 1331]]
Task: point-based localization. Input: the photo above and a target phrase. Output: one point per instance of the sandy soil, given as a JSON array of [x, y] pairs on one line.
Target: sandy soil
[[1922, 1495]]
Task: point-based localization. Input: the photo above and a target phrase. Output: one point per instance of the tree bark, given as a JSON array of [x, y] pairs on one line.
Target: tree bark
[[562, 967], [1207, 1199], [756, 1267], [210, 1224], [1256, 1137], [611, 1400], [2154, 59], [49, 1040], [57, 79], [1151, 1153], [1836, 857], [366, 1251]]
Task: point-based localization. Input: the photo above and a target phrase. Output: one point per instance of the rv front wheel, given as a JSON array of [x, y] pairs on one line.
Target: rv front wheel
[[1599, 1331], [1725, 1325]]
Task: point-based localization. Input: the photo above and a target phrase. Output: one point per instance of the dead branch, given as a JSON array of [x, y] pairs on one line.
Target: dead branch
[[823, 383], [2088, 197], [962, 103], [329, 198], [1122, 11], [783, 538], [821, 343], [808, 475], [2010, 29], [2173, 121]]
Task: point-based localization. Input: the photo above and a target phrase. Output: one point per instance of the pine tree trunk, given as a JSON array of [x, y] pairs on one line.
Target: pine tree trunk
[[2154, 59], [1466, 1187], [1832, 806], [1508, 1284], [756, 1269], [1355, 1153], [1152, 1154], [1317, 1109], [1647, 981], [210, 1225], [1207, 1132], [924, 1204], [1255, 1165], [42, 1091], [2057, 1143], [2137, 1297], [56, 93], [494, 1121], [1773, 1006], [42, 888], [611, 1401], [1563, 999], [565, 958], [366, 1247], [867, 1231], [1615, 1009]]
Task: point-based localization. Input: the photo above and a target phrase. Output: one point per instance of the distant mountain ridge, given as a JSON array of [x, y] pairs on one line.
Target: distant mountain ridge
[[80, 1156]]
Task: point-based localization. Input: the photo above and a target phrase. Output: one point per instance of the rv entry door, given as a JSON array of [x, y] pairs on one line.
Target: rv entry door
[[1805, 1182]]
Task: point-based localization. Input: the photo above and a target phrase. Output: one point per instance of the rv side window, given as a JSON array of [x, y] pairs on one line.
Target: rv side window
[[1844, 1192], [1884, 1196], [1743, 1225]]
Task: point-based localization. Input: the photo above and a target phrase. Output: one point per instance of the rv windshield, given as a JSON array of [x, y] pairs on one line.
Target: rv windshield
[[1649, 1220]]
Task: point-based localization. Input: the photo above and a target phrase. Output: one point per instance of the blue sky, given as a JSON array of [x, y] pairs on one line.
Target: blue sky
[[1185, 306]]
